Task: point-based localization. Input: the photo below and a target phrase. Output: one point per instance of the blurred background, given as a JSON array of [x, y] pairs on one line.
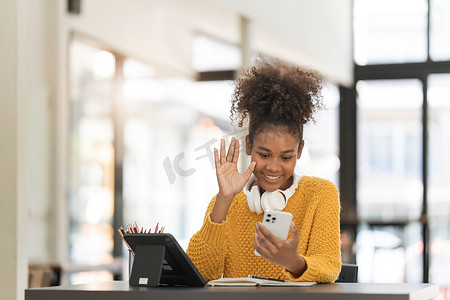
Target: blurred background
[[124, 101]]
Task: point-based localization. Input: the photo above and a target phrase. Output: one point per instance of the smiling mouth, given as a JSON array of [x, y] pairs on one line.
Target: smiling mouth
[[272, 178]]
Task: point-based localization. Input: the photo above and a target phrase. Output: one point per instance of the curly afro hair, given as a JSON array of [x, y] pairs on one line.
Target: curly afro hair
[[274, 95]]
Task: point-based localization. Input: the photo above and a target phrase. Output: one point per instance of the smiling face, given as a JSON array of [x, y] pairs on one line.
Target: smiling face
[[275, 153]]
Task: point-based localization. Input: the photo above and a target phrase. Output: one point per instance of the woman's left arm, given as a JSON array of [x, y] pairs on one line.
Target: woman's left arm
[[322, 261], [323, 254]]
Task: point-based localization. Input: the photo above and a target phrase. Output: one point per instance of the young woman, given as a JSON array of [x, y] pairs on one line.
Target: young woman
[[277, 99]]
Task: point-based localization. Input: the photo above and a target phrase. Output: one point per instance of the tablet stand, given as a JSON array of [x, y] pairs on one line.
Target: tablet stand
[[147, 265], [160, 261]]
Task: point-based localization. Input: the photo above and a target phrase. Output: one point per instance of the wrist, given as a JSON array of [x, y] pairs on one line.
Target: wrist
[[220, 197], [297, 267], [220, 209]]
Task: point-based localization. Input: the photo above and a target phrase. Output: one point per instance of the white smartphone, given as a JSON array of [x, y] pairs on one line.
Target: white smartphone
[[278, 223]]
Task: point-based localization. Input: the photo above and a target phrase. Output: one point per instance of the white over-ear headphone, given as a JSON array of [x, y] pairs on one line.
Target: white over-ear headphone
[[274, 200]]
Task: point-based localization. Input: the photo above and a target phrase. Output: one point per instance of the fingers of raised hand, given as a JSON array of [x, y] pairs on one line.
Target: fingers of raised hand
[[232, 150], [223, 158], [236, 151], [216, 158], [232, 155], [250, 169]]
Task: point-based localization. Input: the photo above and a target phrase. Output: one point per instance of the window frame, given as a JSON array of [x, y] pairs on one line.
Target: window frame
[[348, 142]]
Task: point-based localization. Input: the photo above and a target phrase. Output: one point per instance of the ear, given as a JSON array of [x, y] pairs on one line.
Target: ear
[[248, 146], [300, 149]]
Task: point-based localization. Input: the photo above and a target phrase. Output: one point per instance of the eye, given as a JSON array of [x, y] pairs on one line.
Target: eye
[[286, 157], [263, 155]]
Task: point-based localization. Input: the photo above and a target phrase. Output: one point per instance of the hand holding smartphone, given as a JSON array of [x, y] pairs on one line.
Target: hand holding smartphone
[[278, 223]]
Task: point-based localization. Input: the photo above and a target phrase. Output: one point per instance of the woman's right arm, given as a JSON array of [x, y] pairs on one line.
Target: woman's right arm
[[231, 182], [207, 248]]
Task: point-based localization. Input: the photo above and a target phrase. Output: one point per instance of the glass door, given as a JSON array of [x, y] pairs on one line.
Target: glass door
[[90, 188]]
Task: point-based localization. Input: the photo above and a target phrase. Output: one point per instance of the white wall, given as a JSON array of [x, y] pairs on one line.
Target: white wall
[[13, 161], [157, 32], [28, 85], [42, 101], [316, 34]]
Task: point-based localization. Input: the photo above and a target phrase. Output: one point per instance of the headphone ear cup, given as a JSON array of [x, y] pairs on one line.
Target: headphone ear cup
[[275, 200], [254, 199], [256, 195], [249, 196]]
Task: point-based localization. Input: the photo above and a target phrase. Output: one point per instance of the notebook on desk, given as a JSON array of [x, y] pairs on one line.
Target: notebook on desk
[[247, 281]]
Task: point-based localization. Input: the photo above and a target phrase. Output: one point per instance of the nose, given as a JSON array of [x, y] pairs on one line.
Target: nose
[[273, 165]]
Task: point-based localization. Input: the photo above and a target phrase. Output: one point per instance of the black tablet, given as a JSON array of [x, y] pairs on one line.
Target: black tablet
[[160, 260]]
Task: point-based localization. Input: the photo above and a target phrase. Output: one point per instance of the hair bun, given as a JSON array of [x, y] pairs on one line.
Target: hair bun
[[276, 91]]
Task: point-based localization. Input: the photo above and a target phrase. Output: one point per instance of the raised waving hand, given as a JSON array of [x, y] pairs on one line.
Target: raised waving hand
[[231, 182]]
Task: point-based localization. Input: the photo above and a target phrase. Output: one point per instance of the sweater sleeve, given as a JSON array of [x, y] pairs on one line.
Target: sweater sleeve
[[207, 247], [323, 256]]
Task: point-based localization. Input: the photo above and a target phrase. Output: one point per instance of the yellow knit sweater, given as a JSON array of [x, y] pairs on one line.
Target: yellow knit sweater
[[227, 248]]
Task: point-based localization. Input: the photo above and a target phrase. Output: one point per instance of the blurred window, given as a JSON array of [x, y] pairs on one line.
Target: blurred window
[[171, 127], [390, 253], [389, 157], [91, 159], [320, 156], [392, 115], [439, 176], [440, 30], [395, 42], [390, 31], [210, 54]]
